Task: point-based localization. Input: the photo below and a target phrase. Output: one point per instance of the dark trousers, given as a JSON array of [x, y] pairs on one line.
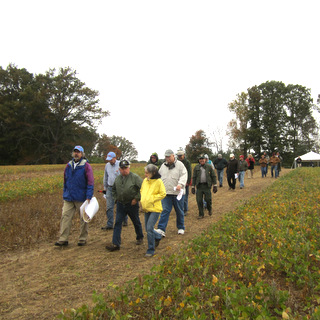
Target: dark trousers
[[231, 181], [203, 192], [122, 211]]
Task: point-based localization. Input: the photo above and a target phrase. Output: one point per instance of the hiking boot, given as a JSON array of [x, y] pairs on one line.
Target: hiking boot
[[82, 243], [148, 255], [61, 243], [200, 217], [124, 224], [106, 228], [112, 247], [210, 213], [139, 241]]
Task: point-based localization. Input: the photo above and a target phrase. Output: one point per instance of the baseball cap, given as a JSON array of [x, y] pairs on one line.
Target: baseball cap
[[124, 164], [180, 153], [168, 153], [110, 155], [231, 155], [79, 148]]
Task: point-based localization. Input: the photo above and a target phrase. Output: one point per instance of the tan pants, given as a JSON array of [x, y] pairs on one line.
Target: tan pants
[[250, 174], [68, 211]]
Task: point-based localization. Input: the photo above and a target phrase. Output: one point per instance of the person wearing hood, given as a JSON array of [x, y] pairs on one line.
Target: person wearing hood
[[77, 188], [152, 192], [174, 176], [154, 159]]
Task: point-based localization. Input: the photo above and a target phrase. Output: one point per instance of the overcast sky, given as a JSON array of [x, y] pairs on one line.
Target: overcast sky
[[165, 69]]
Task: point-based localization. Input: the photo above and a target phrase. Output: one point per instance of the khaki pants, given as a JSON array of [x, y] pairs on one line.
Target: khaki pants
[[250, 173], [68, 211]]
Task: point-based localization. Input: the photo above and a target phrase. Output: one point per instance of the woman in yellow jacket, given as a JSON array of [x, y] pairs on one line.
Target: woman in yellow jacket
[[152, 192]]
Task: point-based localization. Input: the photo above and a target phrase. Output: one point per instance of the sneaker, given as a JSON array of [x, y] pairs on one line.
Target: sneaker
[[61, 243], [111, 247], [139, 241], [82, 243], [160, 232], [200, 217], [157, 242], [148, 255], [180, 231]]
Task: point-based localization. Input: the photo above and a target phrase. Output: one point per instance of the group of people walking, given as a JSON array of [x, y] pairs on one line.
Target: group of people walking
[[165, 186]]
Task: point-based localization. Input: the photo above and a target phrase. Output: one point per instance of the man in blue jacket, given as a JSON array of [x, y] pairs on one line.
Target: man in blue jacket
[[77, 188]]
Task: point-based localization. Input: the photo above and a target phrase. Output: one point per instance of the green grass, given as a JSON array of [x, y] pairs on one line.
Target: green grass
[[262, 261], [48, 178]]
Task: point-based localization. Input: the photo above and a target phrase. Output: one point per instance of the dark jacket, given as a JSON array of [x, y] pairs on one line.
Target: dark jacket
[[232, 167], [210, 175], [158, 162], [243, 165], [78, 181], [189, 170], [127, 188], [251, 163], [220, 164]]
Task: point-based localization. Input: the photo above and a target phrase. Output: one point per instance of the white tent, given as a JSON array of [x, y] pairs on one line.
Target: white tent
[[308, 158]]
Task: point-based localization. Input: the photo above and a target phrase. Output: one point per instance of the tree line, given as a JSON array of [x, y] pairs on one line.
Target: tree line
[[274, 117], [42, 115]]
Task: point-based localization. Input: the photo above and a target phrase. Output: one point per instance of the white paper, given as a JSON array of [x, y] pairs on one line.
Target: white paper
[[179, 196], [88, 210], [83, 208], [236, 175]]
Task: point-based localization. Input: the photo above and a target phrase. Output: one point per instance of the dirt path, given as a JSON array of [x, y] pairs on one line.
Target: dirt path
[[39, 283]]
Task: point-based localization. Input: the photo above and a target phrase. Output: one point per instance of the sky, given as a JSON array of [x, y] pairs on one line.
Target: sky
[[166, 69]]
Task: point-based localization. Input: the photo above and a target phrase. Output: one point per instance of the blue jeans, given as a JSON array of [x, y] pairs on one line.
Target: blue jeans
[[241, 178], [220, 176], [167, 203], [264, 171], [150, 219], [275, 169], [186, 197], [122, 211], [110, 206]]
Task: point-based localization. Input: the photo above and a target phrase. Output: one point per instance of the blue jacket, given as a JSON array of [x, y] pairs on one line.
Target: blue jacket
[[78, 181]]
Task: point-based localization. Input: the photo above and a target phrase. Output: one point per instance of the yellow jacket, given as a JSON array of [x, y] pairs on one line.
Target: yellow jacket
[[152, 192]]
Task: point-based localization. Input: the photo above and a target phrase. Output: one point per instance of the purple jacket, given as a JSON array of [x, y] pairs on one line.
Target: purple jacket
[[78, 181]]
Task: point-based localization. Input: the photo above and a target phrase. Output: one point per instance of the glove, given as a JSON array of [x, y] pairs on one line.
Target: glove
[[193, 190], [214, 189]]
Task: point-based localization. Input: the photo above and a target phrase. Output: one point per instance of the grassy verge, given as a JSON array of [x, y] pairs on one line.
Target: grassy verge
[[49, 179], [262, 261]]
